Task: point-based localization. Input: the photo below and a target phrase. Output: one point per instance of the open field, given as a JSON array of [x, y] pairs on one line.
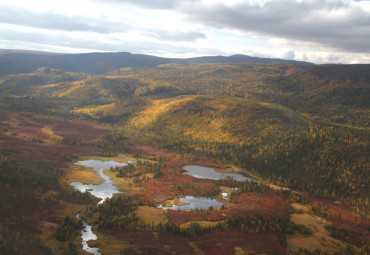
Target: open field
[[320, 238], [78, 173], [151, 215]]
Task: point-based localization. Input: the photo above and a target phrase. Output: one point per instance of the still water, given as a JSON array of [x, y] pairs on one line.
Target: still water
[[193, 202], [104, 190], [203, 172]]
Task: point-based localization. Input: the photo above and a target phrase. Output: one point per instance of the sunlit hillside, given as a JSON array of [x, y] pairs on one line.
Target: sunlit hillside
[[215, 119]]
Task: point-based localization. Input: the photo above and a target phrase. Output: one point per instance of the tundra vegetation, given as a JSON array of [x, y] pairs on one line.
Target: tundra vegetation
[[301, 130]]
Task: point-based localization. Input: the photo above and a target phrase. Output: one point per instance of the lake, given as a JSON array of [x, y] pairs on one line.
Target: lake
[[204, 172]]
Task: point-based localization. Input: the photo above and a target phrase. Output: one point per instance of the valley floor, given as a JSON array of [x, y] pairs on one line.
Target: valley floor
[[255, 218]]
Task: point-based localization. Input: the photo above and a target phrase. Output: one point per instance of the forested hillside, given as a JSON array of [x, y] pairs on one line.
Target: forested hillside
[[292, 124]]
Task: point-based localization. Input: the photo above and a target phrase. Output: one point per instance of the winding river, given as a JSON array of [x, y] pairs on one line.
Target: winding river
[[87, 234], [104, 190]]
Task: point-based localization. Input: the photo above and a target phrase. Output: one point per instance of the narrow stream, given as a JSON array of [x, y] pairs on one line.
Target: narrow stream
[[87, 234], [104, 190]]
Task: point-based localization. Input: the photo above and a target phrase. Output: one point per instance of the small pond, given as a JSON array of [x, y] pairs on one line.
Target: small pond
[[193, 202], [203, 172]]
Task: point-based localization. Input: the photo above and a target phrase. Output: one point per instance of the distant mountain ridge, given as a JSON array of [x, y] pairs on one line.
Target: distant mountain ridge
[[9, 51], [17, 62]]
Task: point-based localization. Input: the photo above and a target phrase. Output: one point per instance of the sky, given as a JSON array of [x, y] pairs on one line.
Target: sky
[[318, 31]]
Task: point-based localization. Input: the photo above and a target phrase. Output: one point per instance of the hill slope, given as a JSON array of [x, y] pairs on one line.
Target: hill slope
[[259, 116]]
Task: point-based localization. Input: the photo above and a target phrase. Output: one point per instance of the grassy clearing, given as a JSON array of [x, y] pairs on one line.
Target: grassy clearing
[[122, 158], [124, 184], [151, 215], [77, 173], [108, 244], [300, 207], [49, 131], [319, 239]]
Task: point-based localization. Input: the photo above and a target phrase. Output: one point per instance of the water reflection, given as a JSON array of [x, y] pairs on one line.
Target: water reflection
[[87, 235], [193, 203], [203, 172], [104, 190], [225, 195]]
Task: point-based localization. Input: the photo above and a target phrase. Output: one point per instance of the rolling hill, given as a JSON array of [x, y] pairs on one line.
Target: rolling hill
[[98, 63], [300, 126]]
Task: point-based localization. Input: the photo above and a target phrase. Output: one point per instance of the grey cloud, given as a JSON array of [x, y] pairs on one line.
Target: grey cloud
[[308, 21], [176, 36], [20, 38], [50, 20]]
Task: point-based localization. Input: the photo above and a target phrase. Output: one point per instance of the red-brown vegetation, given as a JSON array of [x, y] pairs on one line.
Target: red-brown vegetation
[[42, 152], [181, 216], [210, 243], [79, 129], [345, 220], [252, 243], [250, 203], [26, 137], [166, 188], [157, 191], [151, 244]]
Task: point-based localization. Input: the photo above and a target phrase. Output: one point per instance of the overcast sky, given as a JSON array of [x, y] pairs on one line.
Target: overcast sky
[[319, 31]]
